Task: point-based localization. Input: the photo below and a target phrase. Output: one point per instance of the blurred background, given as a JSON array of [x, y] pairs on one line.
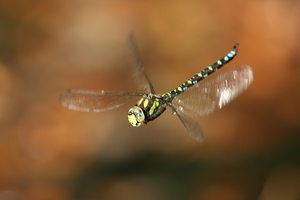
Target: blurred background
[[251, 148]]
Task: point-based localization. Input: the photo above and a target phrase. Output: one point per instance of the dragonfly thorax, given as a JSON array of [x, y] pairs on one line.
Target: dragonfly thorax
[[148, 108]]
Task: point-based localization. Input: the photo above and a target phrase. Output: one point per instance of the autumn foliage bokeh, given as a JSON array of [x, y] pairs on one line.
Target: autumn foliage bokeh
[[251, 148]]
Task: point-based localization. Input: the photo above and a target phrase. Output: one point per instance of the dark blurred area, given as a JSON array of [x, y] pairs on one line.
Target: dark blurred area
[[251, 148]]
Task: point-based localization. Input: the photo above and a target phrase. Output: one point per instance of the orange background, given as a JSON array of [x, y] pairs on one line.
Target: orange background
[[251, 150]]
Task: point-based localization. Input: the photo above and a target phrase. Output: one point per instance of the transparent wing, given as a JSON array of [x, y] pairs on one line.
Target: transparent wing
[[189, 123], [139, 74], [95, 100], [214, 92]]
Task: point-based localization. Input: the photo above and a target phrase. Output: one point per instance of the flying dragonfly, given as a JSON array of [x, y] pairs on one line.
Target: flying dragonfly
[[195, 97]]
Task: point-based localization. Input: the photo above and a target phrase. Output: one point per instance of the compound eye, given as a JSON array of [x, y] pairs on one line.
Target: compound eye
[[133, 121], [139, 115], [136, 116]]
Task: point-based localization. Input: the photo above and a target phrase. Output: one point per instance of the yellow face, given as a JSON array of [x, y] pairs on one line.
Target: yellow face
[[136, 116]]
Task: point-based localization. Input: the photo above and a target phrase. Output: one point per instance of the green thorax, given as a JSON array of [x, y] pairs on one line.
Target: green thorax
[[152, 105]]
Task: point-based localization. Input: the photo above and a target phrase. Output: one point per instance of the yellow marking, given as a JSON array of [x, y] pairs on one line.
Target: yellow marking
[[140, 102], [179, 89], [132, 119], [210, 68], [189, 82], [151, 111], [156, 103], [200, 74], [146, 103]]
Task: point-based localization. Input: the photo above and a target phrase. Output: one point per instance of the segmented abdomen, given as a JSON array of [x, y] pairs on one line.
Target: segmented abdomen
[[202, 74]]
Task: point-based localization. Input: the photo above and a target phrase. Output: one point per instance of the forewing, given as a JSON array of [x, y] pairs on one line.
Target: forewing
[[95, 100], [214, 92], [139, 74]]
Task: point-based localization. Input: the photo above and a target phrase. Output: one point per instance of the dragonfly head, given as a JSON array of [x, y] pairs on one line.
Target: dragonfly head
[[136, 116]]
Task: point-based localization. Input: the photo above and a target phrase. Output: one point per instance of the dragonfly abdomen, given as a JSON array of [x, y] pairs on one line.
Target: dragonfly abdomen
[[202, 74]]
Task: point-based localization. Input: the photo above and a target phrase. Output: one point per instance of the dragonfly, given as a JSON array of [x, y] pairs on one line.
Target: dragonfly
[[199, 95]]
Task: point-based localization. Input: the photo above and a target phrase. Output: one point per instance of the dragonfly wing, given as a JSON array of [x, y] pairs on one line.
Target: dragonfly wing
[[139, 73], [95, 100], [215, 92], [193, 128]]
